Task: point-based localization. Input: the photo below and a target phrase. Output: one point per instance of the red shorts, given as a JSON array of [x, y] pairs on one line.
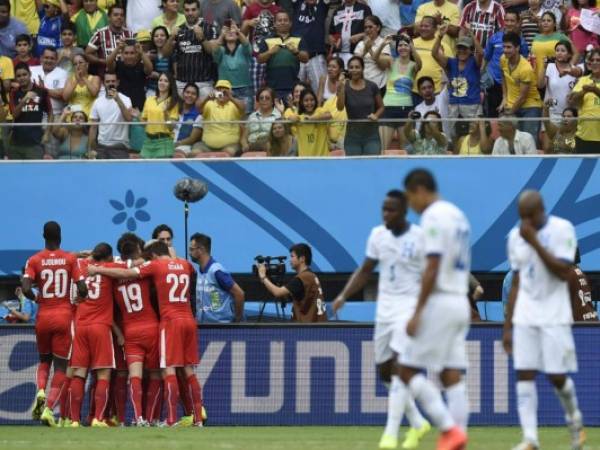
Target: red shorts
[[141, 345], [120, 362], [178, 343], [93, 347], [54, 334]]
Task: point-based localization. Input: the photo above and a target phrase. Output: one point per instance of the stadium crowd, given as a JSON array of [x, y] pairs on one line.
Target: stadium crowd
[[182, 78]]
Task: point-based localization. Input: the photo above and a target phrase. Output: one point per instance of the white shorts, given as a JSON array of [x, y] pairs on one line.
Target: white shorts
[[440, 342], [549, 349], [389, 338]]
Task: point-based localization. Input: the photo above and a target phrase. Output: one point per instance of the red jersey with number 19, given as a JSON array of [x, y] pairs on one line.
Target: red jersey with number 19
[[98, 307], [172, 281], [52, 271], [133, 299]]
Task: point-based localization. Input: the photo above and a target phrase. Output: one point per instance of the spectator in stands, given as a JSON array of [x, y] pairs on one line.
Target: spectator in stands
[[132, 65], [170, 18], [327, 96], [309, 24], [423, 46], [398, 99], [217, 12], [73, 139], [105, 40], [217, 107], [51, 21], [81, 88], [164, 107], [191, 51], [281, 141], [68, 37], [10, 28], [513, 141], [520, 94], [444, 12], [304, 289], [492, 77], [233, 55], [28, 104], [255, 135], [362, 100], [328, 83], [88, 20], [375, 52], [22, 310], [387, 11], [160, 62], [584, 97], [558, 79], [544, 43], [560, 138], [52, 77], [580, 37], [530, 21], [312, 137], [108, 109], [347, 28], [23, 48], [484, 18], [188, 131], [7, 73], [430, 140], [26, 11], [282, 52], [140, 14], [259, 23], [292, 100], [478, 141], [408, 14], [432, 101], [219, 298]]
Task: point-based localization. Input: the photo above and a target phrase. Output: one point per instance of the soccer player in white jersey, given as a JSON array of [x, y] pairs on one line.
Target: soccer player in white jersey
[[537, 330], [439, 325], [397, 246]]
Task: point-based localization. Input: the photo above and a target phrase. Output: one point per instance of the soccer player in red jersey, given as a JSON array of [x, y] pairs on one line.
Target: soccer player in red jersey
[[93, 342], [140, 331], [52, 270], [178, 339]]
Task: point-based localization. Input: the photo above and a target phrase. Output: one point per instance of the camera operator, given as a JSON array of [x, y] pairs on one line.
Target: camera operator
[[304, 289], [217, 294]]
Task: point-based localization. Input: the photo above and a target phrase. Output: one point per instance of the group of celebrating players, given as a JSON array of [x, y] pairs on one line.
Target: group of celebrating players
[[96, 314]]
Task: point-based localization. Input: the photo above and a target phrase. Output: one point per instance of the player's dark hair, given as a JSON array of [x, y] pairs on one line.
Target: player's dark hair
[[129, 249], [397, 195], [512, 38], [126, 238], [102, 252], [302, 250], [158, 248], [420, 177], [52, 232], [202, 240], [23, 38], [159, 229]]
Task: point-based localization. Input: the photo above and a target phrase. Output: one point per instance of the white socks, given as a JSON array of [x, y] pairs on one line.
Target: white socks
[[430, 399], [568, 400], [458, 404], [414, 416], [396, 400], [527, 406]]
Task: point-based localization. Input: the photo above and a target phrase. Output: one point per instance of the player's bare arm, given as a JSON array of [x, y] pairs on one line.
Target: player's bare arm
[[357, 281], [26, 287], [113, 272], [560, 268], [512, 299], [118, 334], [427, 284]]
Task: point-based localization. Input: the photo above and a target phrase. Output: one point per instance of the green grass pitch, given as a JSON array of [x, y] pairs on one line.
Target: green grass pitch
[[258, 438]]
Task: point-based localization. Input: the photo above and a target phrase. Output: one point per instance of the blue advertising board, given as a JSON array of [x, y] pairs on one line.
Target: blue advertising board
[[318, 375], [263, 206]]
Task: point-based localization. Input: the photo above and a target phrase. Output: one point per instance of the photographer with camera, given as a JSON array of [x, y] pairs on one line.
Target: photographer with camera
[[304, 289], [219, 298]]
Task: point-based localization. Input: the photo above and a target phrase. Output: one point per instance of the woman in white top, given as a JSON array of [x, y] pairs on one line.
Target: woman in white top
[[375, 67], [328, 83]]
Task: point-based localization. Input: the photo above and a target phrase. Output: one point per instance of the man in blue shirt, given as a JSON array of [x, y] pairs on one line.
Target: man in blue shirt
[[219, 298], [10, 28], [491, 78]]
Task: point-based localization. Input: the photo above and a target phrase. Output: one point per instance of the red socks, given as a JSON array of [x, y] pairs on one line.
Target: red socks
[[184, 394], [195, 392], [135, 392], [64, 399], [101, 399], [120, 396], [171, 398], [75, 397], [56, 388], [153, 400], [41, 375]]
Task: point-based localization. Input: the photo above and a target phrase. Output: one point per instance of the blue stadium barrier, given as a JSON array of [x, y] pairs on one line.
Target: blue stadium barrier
[[317, 375]]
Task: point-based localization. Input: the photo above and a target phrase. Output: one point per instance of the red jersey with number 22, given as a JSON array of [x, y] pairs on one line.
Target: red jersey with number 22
[[172, 281], [98, 306], [133, 299]]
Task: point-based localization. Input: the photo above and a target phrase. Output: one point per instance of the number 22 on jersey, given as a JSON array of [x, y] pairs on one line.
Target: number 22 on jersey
[[180, 285]]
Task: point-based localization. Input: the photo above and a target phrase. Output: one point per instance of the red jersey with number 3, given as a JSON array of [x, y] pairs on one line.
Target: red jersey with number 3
[[98, 306], [172, 279], [53, 271], [133, 299]]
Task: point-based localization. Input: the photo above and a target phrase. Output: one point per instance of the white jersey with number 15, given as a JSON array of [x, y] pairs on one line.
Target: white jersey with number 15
[[447, 234]]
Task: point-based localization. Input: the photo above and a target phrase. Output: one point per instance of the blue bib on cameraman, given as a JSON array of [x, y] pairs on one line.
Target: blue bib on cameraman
[[213, 303]]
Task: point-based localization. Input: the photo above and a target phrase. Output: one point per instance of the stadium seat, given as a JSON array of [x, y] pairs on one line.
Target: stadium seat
[[213, 155], [337, 152], [395, 152], [254, 155]]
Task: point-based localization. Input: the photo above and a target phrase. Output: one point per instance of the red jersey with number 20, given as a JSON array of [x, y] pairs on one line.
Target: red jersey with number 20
[[52, 271], [98, 306], [133, 299], [172, 281]]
